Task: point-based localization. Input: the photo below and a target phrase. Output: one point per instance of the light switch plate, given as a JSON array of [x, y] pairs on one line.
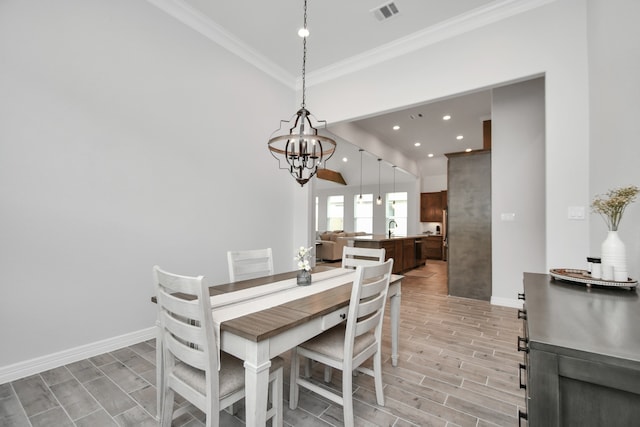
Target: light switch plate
[[507, 216], [575, 212]]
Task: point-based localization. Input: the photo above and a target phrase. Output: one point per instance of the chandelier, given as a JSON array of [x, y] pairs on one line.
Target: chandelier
[[297, 144]]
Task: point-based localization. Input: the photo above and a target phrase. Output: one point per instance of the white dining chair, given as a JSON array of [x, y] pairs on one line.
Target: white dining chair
[[191, 363], [349, 344], [249, 264], [353, 256]]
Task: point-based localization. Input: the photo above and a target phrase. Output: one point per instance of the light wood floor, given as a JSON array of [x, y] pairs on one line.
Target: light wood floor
[[458, 367]]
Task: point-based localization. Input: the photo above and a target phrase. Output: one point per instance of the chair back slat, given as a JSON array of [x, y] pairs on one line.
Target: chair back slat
[[244, 265], [189, 331], [371, 305], [178, 306], [189, 353], [367, 324], [353, 257]]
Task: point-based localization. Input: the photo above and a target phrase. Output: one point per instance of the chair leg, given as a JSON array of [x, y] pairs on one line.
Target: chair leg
[[276, 399], [327, 373], [377, 376], [159, 368], [166, 409], [308, 365], [293, 379], [347, 398]]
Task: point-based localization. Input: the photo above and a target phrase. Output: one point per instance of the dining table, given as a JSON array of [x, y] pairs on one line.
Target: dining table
[[258, 319]]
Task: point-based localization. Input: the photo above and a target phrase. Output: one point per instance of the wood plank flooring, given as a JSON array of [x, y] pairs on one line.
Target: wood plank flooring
[[458, 367]]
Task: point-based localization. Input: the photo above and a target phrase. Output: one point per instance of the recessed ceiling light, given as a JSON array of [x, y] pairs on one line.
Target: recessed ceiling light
[[447, 117], [468, 150], [417, 144], [430, 155], [303, 32], [344, 159], [396, 127], [459, 137]]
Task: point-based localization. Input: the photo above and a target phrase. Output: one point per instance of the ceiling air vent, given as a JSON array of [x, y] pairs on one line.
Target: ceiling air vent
[[386, 11]]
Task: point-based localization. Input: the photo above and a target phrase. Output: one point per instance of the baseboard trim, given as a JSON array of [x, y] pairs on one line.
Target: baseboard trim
[[506, 302], [61, 358]]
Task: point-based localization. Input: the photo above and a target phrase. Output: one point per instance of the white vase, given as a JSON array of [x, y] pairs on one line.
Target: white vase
[[613, 253]]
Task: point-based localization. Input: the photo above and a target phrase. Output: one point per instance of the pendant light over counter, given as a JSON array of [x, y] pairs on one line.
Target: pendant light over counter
[[360, 198], [297, 142], [394, 184], [379, 199]]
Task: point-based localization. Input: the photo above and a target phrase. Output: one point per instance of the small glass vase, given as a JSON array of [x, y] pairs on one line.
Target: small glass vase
[[614, 255], [304, 278]]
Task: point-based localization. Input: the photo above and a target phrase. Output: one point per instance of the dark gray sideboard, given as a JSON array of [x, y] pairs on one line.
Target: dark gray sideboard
[[582, 354]]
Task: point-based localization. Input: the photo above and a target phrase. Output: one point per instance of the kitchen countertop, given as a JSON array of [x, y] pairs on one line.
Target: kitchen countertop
[[384, 237]]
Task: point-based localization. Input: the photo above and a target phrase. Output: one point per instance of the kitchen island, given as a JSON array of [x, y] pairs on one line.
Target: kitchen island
[[407, 251]]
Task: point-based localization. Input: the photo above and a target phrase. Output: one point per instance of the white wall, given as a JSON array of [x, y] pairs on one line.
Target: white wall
[[504, 52], [614, 87], [434, 174], [124, 143], [517, 185]]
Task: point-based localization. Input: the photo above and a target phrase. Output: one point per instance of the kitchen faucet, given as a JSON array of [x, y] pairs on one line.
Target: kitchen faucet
[[392, 223]]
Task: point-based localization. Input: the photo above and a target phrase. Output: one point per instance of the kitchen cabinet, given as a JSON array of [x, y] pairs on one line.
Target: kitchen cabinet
[[581, 349], [431, 206], [408, 254], [401, 249], [393, 249], [433, 247]]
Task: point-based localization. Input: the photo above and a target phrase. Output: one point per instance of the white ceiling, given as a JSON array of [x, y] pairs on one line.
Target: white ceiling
[[266, 33], [338, 29]]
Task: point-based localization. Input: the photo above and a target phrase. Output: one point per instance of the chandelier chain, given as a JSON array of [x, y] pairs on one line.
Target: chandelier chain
[[304, 58]]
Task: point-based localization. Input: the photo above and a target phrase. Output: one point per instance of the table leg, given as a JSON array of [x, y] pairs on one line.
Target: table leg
[[256, 377], [395, 326]]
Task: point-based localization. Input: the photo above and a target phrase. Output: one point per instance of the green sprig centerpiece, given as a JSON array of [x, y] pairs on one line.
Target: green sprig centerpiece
[[611, 205]]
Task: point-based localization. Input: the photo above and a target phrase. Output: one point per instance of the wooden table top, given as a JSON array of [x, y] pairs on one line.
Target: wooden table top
[[266, 323]]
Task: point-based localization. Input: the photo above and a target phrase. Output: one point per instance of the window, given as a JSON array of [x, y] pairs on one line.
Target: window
[[335, 213], [363, 213], [397, 211]]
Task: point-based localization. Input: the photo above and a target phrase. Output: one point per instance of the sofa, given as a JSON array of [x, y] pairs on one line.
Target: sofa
[[331, 244]]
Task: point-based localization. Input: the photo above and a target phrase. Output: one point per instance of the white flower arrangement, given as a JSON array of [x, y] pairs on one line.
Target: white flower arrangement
[[302, 258]]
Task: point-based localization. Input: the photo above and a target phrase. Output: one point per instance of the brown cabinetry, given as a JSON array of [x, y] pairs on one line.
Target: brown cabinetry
[[393, 249], [408, 254], [401, 249], [432, 246], [431, 206]]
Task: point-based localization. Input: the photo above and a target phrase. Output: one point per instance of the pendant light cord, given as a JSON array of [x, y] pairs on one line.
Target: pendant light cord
[[361, 150], [379, 199]]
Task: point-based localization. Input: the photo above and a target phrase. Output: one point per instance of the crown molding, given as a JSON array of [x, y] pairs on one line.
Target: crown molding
[[474, 19], [210, 29]]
